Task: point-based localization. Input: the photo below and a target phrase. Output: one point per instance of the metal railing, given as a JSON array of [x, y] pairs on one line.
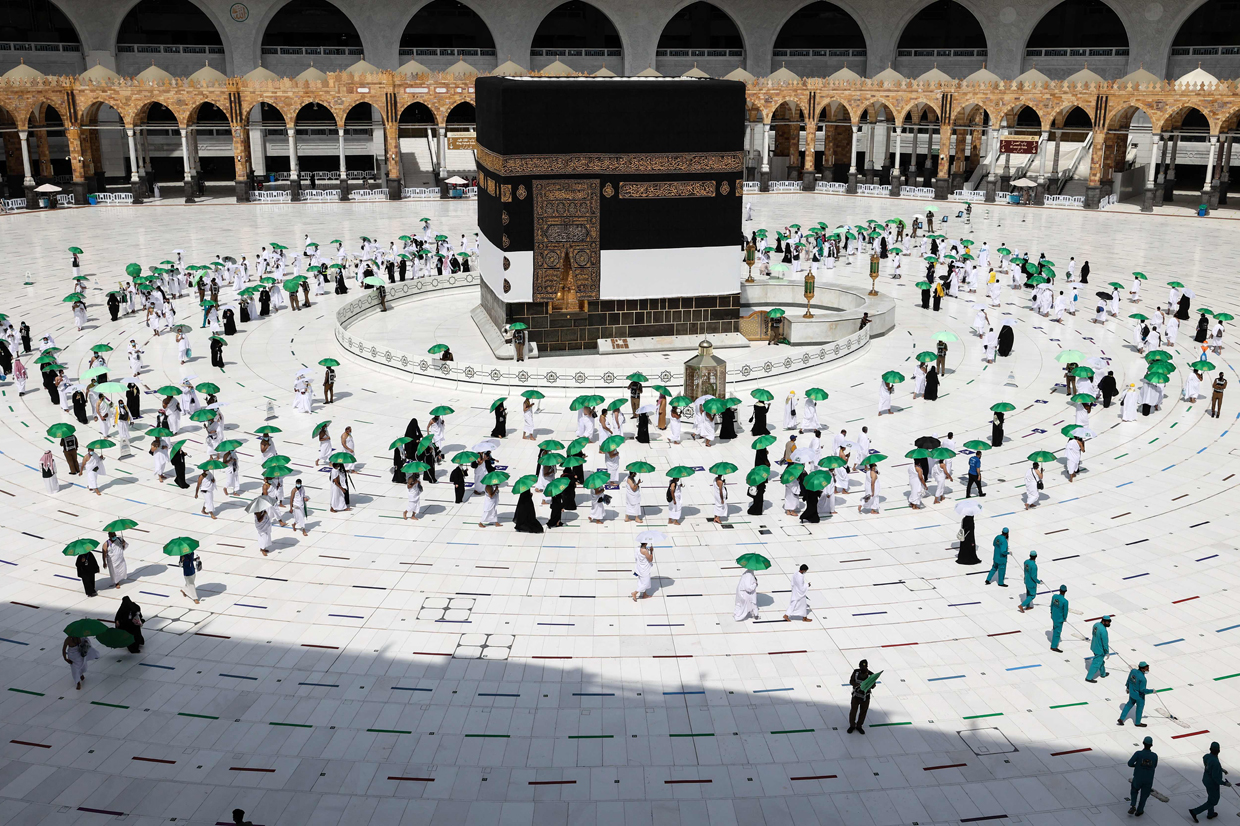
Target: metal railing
[[818, 53], [784, 186], [13, 204], [751, 186], [327, 51], [925, 192], [967, 195], [831, 187], [368, 195], [699, 52], [1065, 200], [166, 48], [576, 53], [320, 194], [271, 196], [873, 189], [941, 53], [1204, 51], [112, 198], [432, 52], [31, 46], [1084, 51], [419, 193]]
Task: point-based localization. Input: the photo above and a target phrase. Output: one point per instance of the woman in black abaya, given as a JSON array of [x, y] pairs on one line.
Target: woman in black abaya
[[759, 420], [931, 392], [1007, 336], [398, 462], [967, 553], [728, 428], [643, 428], [501, 422], [568, 497], [757, 492], [525, 519], [996, 430]]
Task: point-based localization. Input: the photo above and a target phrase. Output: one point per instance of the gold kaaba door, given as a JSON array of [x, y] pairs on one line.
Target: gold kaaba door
[[566, 243]]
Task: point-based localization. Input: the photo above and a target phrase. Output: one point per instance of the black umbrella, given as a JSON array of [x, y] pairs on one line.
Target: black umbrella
[[927, 442], [1103, 296]]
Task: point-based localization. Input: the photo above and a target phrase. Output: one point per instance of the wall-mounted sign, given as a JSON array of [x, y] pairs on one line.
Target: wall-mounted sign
[[239, 12], [1018, 146], [465, 142]]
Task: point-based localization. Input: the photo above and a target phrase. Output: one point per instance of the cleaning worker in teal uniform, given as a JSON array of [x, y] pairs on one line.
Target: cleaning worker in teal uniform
[[1136, 694], [1031, 581], [1000, 559], [1212, 779], [1143, 764], [1059, 615], [1100, 644]]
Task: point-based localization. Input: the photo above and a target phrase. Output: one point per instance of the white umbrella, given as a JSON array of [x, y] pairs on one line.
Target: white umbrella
[[1008, 322], [1024, 182], [1083, 433], [651, 537], [455, 179], [48, 188], [702, 399], [485, 445], [1097, 362], [1189, 293], [968, 508], [803, 456], [262, 503], [648, 408]]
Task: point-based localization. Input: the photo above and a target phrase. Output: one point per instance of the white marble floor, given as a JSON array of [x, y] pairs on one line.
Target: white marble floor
[[318, 685]]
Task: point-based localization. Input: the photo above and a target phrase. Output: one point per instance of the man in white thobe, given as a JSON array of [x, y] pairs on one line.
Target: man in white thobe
[[798, 601]]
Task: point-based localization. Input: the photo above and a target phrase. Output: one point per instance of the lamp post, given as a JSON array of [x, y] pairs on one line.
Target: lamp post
[[873, 274], [750, 256], [809, 295]]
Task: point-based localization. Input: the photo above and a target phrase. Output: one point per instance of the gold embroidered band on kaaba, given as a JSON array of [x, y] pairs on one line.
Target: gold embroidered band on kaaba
[[619, 163], [667, 189]]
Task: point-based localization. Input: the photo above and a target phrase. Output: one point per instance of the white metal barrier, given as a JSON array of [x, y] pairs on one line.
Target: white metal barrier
[[368, 195], [419, 193], [14, 204], [925, 192], [968, 195], [1065, 200], [833, 187], [1107, 201], [65, 199], [751, 186], [784, 186], [320, 194], [873, 189], [113, 198], [271, 196]]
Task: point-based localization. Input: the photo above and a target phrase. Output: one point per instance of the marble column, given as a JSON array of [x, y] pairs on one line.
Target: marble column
[[187, 165], [1039, 194], [852, 167], [28, 181], [344, 170], [1225, 179], [895, 167], [135, 183], [992, 153], [1208, 189], [764, 174], [1169, 183], [294, 177], [1147, 200]]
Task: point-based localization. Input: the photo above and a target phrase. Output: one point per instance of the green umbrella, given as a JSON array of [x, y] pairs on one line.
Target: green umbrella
[[101, 348], [532, 394], [763, 442], [1041, 456], [204, 415], [573, 461], [47, 368], [1160, 367], [1037, 279], [110, 388], [403, 440], [1003, 251], [1002, 407], [977, 444], [753, 562], [917, 453], [1070, 357], [62, 430], [120, 525], [1157, 378], [497, 477], [872, 459], [778, 312], [817, 394], [578, 445], [611, 444], [101, 444], [374, 281], [1224, 316], [792, 473], [923, 285], [1139, 317], [133, 269], [114, 638], [681, 401], [1067, 429], [945, 335], [551, 444], [80, 546], [817, 480], [723, 468], [925, 357], [276, 461], [75, 250], [637, 377], [579, 402], [207, 387], [278, 472], [617, 404], [161, 432], [714, 406], [680, 472], [228, 445], [436, 349], [639, 467], [168, 390], [1202, 366], [831, 462], [85, 628], [550, 460], [46, 358], [497, 403], [597, 480], [1083, 398], [329, 363], [940, 454], [762, 395], [424, 443], [869, 682], [781, 267], [1115, 285], [180, 546], [893, 377], [556, 486], [758, 475], [521, 485], [1157, 355], [442, 410], [1175, 284], [212, 464], [465, 457], [1083, 372], [93, 373]]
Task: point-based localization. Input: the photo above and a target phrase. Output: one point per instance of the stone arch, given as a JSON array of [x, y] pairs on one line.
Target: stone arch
[[59, 22], [1175, 118], [831, 107], [1208, 23], [290, 25], [440, 34], [919, 104], [546, 35], [700, 7], [273, 107], [317, 113], [179, 112], [824, 6], [193, 115], [420, 115], [1062, 115], [768, 112], [1078, 23], [954, 9]]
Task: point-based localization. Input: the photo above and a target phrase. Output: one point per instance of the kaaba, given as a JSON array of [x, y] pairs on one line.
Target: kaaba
[[610, 208]]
